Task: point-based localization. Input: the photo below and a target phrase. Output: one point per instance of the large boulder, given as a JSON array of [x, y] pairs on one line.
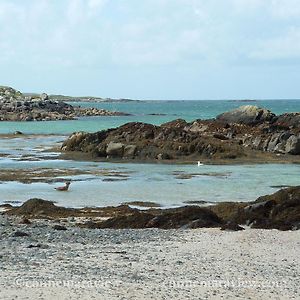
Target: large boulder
[[292, 145], [247, 114], [115, 149]]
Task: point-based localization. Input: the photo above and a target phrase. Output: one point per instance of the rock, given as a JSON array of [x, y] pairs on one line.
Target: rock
[[14, 106], [196, 127], [137, 220], [20, 234], [293, 145], [279, 210], [247, 114], [288, 120], [44, 97], [231, 226], [59, 227], [183, 217], [115, 149], [129, 151], [25, 221], [34, 246], [186, 217], [18, 132], [198, 140], [40, 208]]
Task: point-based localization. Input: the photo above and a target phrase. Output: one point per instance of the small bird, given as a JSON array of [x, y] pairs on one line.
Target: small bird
[[63, 188], [200, 164]]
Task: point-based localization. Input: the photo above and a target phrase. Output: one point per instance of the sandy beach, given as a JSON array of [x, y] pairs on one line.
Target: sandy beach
[[146, 264]]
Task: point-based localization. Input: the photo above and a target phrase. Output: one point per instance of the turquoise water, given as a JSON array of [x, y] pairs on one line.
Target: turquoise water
[[188, 110], [144, 182], [151, 182]]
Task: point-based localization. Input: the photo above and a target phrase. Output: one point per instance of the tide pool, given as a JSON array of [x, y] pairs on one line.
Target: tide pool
[[159, 183]]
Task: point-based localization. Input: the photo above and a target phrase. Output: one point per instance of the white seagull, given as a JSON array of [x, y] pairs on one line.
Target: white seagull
[[200, 163]]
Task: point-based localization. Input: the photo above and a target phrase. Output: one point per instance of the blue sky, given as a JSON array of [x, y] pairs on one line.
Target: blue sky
[[152, 49]]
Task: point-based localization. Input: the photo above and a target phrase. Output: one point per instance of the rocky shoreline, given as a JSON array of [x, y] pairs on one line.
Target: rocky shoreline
[[14, 106], [280, 210], [247, 133]]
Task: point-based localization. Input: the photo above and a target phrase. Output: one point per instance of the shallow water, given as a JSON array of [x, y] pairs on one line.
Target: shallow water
[[169, 185], [159, 183]]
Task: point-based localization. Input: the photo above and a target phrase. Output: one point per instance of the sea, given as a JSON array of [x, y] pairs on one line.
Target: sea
[[98, 184]]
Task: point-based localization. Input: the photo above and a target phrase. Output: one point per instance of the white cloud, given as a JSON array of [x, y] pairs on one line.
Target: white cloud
[[145, 33]]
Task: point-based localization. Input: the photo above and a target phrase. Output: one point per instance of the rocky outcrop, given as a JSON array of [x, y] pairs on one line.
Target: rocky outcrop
[[280, 210], [38, 208], [182, 217], [247, 114], [200, 139], [14, 106]]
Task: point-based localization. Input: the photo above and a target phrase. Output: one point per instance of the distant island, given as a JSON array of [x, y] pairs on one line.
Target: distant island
[[80, 98], [16, 106]]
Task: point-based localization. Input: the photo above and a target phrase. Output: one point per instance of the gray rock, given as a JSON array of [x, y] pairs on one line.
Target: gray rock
[[273, 142], [293, 145], [115, 149], [129, 151], [44, 97], [247, 114]]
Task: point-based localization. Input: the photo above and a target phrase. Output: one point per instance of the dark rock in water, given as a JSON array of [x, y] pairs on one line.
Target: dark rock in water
[[198, 202], [20, 234], [18, 132], [59, 227], [247, 114], [231, 226]]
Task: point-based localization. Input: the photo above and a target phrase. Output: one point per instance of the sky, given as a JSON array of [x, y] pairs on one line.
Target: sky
[[152, 49]]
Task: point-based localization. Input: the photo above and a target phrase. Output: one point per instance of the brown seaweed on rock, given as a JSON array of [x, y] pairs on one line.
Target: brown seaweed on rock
[[248, 132]]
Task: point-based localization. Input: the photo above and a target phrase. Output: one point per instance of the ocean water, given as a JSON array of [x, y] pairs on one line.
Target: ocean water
[[103, 183], [166, 110]]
